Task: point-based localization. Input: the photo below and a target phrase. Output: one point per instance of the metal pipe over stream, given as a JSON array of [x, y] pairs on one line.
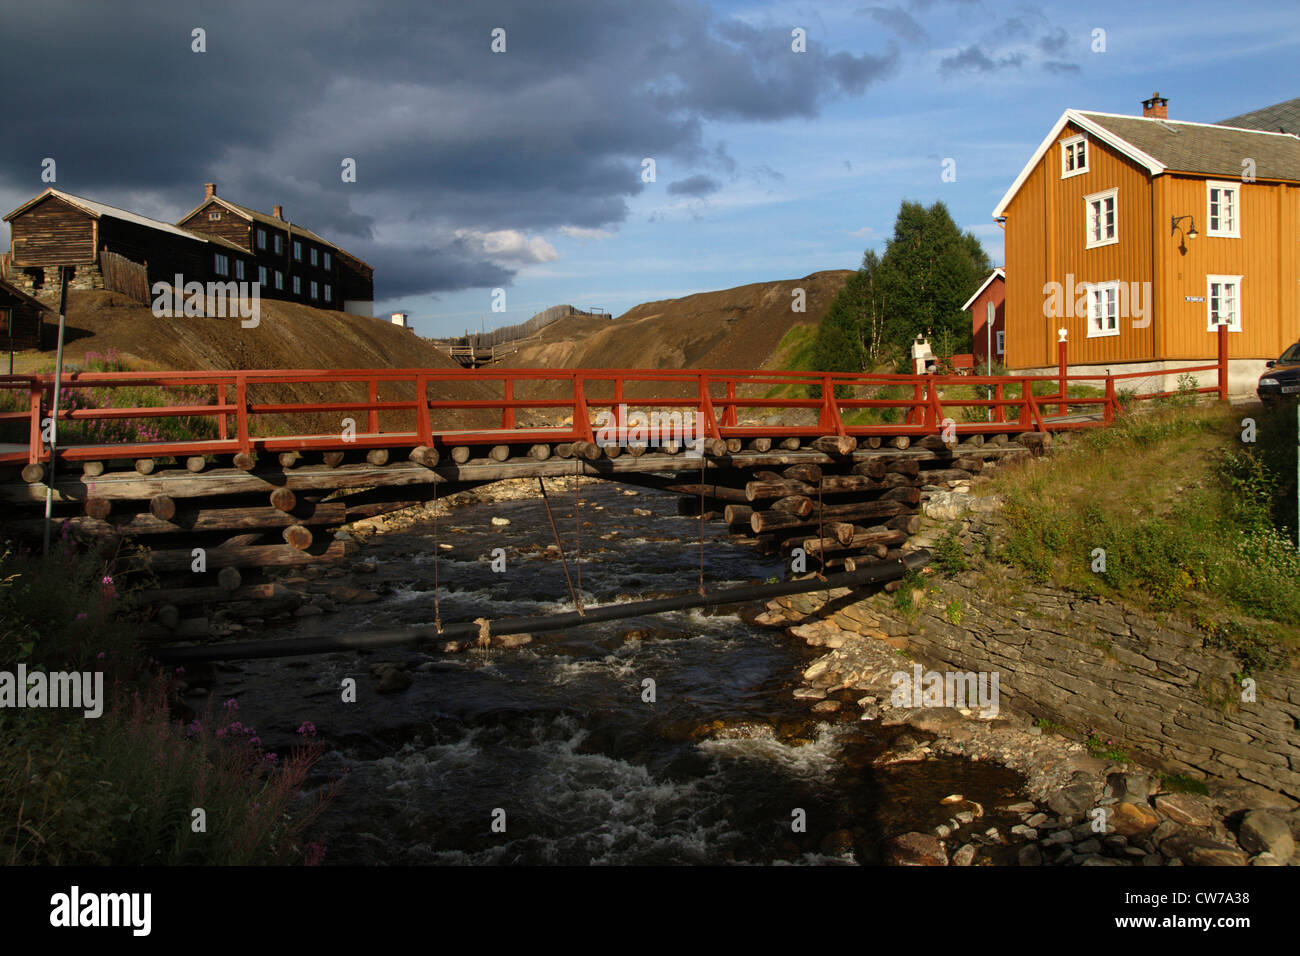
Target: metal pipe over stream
[[398, 637]]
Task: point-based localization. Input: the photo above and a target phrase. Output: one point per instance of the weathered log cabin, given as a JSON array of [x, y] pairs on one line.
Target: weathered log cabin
[[290, 261], [59, 229], [22, 319]]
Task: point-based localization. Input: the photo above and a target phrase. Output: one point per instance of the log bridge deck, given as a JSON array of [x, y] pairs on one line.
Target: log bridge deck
[[780, 456]]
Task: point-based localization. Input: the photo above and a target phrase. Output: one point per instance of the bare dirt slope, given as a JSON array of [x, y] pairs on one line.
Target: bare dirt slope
[[736, 328]]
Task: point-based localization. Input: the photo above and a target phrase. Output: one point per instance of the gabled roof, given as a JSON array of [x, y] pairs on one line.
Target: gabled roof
[[1281, 117], [18, 293], [995, 274], [1161, 145], [99, 210], [254, 215]]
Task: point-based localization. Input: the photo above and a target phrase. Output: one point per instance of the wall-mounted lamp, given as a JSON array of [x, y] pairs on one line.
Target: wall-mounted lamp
[[1190, 234]]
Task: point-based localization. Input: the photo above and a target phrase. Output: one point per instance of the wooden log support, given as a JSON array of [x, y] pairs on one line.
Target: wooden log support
[[195, 464], [908, 523], [92, 469], [737, 514], [790, 444], [297, 537], [973, 465], [858, 538], [244, 461], [760, 444], [283, 499], [908, 495], [612, 449], [715, 447], [839, 445], [874, 441], [781, 488], [637, 448], [98, 507], [900, 442], [973, 441], [879, 469], [539, 452], [934, 443], [145, 466], [424, 455], [377, 457], [229, 578], [809, 473], [460, 454], [564, 449], [587, 450], [332, 459], [734, 445], [936, 475], [203, 519], [249, 556], [763, 521], [499, 453], [168, 615], [288, 459], [794, 505], [186, 597], [162, 507]]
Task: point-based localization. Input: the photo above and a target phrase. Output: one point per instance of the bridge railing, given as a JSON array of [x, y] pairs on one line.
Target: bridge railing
[[542, 405]]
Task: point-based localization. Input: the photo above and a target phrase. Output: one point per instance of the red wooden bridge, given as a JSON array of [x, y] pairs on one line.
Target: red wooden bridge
[[832, 463]]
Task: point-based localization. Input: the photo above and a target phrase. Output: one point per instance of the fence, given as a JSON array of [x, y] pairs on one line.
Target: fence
[[124, 276]]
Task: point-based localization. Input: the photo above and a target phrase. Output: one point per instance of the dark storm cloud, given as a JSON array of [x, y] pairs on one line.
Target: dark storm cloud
[[697, 186], [447, 136], [974, 60]]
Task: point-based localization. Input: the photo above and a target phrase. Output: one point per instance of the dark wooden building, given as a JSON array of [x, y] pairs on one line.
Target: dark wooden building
[[59, 229], [22, 319], [290, 261]]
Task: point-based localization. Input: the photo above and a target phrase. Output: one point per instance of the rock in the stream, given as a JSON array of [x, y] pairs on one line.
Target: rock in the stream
[[915, 849]]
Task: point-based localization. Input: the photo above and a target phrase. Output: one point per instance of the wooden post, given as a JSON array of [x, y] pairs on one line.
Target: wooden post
[[1062, 365], [1223, 362], [372, 414], [422, 423], [1110, 400], [222, 425], [241, 413], [507, 410], [999, 411], [729, 416]]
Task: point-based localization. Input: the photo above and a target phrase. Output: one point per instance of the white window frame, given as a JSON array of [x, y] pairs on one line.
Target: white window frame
[[277, 243], [1234, 323], [220, 264], [279, 280], [239, 270], [312, 253], [1097, 295], [297, 250], [1002, 341], [297, 285], [261, 275], [1068, 150], [329, 293], [214, 216], [326, 263], [261, 238], [1210, 228], [315, 289], [1111, 194]]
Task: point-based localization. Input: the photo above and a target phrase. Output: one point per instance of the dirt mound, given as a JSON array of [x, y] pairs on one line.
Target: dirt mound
[[736, 328]]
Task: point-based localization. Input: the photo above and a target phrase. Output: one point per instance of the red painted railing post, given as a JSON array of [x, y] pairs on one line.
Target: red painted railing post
[[508, 411], [423, 423], [1110, 400], [999, 410], [36, 447], [581, 417], [223, 426], [729, 414], [241, 413], [914, 414], [830, 414], [1223, 362], [620, 427], [372, 414], [1062, 348], [1026, 395]]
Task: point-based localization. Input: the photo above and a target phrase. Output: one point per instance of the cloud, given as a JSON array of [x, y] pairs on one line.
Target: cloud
[[898, 20], [974, 60], [452, 142], [696, 186], [864, 233], [583, 233]]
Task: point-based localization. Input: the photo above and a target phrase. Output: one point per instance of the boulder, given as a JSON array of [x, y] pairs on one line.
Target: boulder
[[915, 849], [1133, 819], [1265, 832], [1185, 808]]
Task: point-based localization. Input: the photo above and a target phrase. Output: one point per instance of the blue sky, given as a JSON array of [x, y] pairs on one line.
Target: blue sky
[[521, 170]]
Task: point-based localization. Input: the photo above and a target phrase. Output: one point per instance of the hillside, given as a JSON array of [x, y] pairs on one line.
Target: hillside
[[288, 336], [738, 328]]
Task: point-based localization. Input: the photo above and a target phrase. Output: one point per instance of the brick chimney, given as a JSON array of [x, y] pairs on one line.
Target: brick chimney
[[209, 190], [1155, 108], [277, 212]]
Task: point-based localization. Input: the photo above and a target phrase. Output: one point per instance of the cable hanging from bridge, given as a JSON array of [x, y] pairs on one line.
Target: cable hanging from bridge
[[577, 603]]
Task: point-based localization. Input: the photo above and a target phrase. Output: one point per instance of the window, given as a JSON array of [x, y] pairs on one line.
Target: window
[[221, 264], [1002, 343], [297, 285], [279, 279], [261, 238], [1103, 218], [313, 255], [315, 290], [327, 259], [1103, 309], [1223, 215], [297, 250], [214, 216], [239, 269], [261, 275], [1223, 302], [6, 316], [277, 243], [1074, 156], [329, 293]]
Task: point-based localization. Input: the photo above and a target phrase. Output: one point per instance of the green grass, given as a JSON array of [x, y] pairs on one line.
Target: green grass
[[1190, 519]]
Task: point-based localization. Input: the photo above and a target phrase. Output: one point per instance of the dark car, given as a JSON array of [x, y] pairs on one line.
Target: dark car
[[1282, 380]]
